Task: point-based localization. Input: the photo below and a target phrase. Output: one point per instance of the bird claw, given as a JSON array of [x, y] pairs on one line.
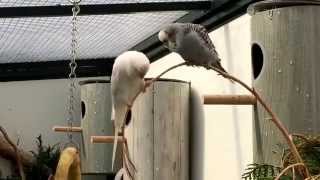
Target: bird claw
[[129, 106], [188, 63], [147, 83], [127, 162]]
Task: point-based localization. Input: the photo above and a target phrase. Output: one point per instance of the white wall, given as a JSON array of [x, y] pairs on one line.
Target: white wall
[[30, 108], [221, 139], [222, 135]]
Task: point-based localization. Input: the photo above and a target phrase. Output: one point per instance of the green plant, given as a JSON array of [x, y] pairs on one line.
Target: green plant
[[309, 148], [46, 160], [260, 172]]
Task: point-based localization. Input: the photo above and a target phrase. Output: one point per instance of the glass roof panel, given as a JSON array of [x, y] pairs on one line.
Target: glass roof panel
[[48, 39]]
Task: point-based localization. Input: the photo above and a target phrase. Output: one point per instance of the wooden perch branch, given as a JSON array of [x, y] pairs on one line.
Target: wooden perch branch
[[150, 82], [66, 129], [16, 151], [166, 71], [105, 139], [274, 118], [229, 99]]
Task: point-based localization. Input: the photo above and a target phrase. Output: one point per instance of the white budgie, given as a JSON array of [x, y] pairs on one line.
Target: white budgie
[[127, 80], [193, 44]]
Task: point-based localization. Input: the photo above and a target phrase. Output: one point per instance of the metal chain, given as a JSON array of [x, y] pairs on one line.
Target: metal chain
[[73, 66]]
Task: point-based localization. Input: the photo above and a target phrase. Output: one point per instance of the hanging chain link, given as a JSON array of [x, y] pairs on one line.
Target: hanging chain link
[[73, 66]]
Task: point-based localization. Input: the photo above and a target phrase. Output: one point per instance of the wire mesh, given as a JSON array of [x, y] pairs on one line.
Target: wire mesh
[[102, 36]]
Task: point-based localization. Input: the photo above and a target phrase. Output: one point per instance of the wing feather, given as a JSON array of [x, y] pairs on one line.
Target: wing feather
[[203, 34]]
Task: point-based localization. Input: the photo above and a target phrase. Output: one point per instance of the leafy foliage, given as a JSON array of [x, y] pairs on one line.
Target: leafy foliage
[[260, 172], [308, 147], [46, 160]]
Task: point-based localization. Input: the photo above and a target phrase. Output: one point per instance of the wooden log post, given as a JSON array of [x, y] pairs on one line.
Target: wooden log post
[[285, 58], [158, 134], [96, 121]]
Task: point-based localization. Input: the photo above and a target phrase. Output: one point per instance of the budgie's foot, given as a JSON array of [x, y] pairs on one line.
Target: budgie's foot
[[126, 168], [127, 163], [129, 106], [147, 83], [127, 155]]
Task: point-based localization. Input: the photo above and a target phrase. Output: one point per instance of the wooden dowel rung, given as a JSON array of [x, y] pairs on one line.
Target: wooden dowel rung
[[229, 99], [105, 139], [66, 129]]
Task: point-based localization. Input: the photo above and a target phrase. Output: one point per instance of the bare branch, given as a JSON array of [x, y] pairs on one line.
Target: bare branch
[[287, 168], [150, 82], [18, 158]]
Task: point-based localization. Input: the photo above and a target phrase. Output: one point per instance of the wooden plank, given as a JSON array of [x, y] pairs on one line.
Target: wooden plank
[[158, 135], [96, 157], [167, 131], [140, 134], [185, 131], [290, 79]]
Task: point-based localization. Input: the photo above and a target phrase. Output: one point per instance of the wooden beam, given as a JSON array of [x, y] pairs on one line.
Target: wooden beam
[[229, 100], [102, 9], [58, 69]]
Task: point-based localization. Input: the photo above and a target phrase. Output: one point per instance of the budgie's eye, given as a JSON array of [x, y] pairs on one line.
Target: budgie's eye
[[169, 33]]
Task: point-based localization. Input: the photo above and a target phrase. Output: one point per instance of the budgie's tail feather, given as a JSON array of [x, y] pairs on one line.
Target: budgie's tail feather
[[120, 113], [115, 144], [120, 174]]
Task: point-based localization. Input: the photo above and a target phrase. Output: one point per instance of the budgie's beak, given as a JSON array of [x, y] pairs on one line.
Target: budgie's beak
[[163, 37]]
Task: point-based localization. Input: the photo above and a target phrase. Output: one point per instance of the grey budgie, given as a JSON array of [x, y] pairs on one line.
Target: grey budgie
[[193, 44]]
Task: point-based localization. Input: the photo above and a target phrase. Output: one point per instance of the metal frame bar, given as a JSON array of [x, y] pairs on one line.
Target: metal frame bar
[[102, 9], [54, 69]]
